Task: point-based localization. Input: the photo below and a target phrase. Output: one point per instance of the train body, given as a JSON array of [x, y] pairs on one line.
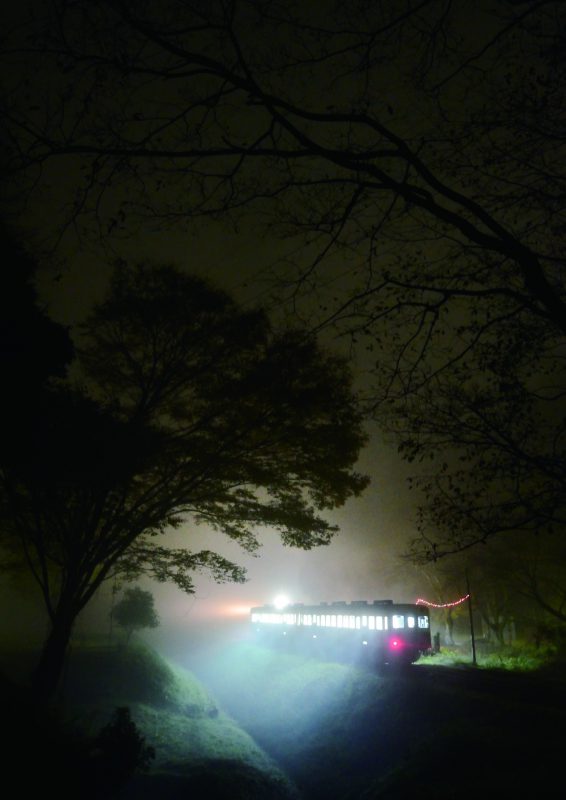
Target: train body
[[381, 632]]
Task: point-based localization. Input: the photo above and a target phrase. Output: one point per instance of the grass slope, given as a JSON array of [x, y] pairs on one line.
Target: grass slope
[[200, 752], [344, 733]]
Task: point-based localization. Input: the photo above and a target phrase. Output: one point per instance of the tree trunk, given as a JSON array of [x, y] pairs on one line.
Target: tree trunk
[[47, 674]]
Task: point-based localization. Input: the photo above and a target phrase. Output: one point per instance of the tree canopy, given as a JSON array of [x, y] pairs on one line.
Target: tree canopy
[[190, 410], [417, 146]]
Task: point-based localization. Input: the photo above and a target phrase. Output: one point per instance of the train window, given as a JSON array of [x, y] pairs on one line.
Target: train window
[[352, 622], [423, 622], [358, 622], [410, 622], [379, 623], [333, 621], [255, 617], [339, 620], [371, 625], [365, 620], [398, 620], [307, 619]]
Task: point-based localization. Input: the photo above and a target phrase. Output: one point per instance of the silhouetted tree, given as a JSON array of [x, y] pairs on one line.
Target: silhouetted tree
[[34, 352], [421, 142], [198, 412], [135, 610], [33, 348]]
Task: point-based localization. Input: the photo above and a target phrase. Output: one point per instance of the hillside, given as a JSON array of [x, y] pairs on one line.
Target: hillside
[[345, 733], [299, 728], [199, 751]]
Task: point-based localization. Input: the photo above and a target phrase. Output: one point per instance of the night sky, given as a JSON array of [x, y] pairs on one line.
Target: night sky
[[362, 561], [248, 258]]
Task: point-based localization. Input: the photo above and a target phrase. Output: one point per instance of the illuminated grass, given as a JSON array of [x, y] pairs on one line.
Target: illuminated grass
[[178, 717], [346, 733], [514, 658]]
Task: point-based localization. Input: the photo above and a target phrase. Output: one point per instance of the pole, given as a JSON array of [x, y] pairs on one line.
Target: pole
[[474, 660]]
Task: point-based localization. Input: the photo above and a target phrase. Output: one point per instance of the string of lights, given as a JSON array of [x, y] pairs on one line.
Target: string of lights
[[421, 602]]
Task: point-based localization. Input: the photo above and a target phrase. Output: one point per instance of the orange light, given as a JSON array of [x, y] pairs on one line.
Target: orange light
[[235, 610]]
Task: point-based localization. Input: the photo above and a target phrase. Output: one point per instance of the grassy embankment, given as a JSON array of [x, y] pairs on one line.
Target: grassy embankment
[[344, 733], [200, 752], [339, 732]]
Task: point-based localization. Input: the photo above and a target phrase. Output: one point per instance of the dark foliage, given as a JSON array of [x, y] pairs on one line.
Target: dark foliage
[[420, 144], [120, 750], [192, 410]]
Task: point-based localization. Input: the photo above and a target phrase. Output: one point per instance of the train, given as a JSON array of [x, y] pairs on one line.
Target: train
[[380, 632]]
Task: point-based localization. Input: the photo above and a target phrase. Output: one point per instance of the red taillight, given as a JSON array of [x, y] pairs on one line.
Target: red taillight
[[395, 644]]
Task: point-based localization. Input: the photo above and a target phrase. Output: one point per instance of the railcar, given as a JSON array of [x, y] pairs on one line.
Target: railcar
[[382, 632]]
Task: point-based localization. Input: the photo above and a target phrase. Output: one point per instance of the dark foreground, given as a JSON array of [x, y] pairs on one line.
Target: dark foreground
[[296, 729]]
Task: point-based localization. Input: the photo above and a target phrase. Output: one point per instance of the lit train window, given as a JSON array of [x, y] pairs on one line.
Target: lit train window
[[364, 620], [289, 619], [371, 621], [256, 617], [398, 620], [352, 622], [423, 622], [411, 622], [308, 619], [333, 621], [379, 623], [339, 620], [358, 622]]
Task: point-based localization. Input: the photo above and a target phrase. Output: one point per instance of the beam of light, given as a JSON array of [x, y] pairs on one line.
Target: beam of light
[[235, 610], [421, 602], [281, 602]]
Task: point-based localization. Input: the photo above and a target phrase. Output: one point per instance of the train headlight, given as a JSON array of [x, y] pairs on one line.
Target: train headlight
[[281, 602]]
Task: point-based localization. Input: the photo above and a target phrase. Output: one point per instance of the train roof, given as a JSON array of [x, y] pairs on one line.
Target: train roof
[[339, 605]]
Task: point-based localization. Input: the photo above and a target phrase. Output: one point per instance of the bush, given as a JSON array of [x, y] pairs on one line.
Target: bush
[[120, 751]]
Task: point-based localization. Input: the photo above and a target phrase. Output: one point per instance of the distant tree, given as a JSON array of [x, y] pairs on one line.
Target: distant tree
[[135, 610], [197, 411], [419, 143]]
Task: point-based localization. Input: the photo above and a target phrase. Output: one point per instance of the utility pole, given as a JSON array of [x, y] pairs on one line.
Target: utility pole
[[470, 611]]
